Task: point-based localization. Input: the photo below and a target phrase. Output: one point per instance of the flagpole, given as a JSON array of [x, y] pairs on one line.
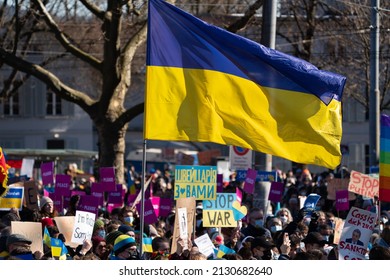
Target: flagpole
[[142, 208]]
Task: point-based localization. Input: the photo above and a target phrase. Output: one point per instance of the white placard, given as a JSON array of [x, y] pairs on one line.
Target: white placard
[[183, 226], [205, 245], [83, 226], [27, 167]]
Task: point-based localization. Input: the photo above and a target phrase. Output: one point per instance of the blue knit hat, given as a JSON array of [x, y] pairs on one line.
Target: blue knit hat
[[122, 242]]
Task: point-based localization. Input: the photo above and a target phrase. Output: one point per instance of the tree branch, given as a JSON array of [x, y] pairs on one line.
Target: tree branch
[[129, 115], [93, 9], [242, 22], [63, 39], [65, 92]]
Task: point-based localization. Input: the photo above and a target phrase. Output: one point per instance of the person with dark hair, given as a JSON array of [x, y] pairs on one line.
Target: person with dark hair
[[379, 253]]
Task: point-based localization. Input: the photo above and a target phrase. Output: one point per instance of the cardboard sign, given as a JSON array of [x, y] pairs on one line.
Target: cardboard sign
[[338, 228], [13, 198], [31, 230], [65, 226], [189, 203], [363, 184], [356, 234], [31, 195], [337, 184], [196, 181], [47, 173], [107, 178], [83, 226], [219, 212]]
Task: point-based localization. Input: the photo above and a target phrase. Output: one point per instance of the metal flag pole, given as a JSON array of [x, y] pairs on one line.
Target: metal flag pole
[[142, 208]]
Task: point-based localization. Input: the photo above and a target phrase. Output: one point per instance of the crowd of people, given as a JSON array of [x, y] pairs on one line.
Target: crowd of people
[[283, 231]]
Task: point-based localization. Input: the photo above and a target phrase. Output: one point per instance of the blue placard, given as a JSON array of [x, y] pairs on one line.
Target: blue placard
[[262, 176]]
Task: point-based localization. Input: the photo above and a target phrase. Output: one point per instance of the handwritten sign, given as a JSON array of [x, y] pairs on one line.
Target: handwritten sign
[[31, 195], [363, 184], [356, 234], [83, 226], [196, 181], [219, 212], [31, 230], [337, 184]]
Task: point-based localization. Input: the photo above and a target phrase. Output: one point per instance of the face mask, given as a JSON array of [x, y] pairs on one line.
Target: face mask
[[275, 256], [259, 223], [283, 219], [102, 233], [275, 228], [129, 220]]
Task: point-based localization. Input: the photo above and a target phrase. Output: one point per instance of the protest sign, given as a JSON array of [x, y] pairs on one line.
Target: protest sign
[[62, 184], [338, 228], [183, 226], [249, 185], [107, 178], [356, 234], [205, 245], [189, 203], [13, 198], [31, 195], [276, 192], [27, 167], [195, 181], [89, 203], [337, 184], [65, 225], [219, 212], [47, 173], [311, 202], [363, 184], [83, 226], [149, 213], [117, 196], [342, 202], [31, 230]]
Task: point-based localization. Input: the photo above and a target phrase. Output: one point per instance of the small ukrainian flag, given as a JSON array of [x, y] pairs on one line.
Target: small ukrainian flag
[[46, 237], [147, 244], [222, 250], [58, 248]]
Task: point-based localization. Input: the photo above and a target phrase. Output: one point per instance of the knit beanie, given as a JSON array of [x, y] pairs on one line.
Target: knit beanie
[[98, 223], [110, 238], [122, 242], [43, 200], [125, 228]]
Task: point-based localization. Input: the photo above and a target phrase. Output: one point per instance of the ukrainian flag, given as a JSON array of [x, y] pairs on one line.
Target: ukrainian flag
[[205, 84], [58, 248], [147, 244], [46, 237], [223, 250], [384, 160]]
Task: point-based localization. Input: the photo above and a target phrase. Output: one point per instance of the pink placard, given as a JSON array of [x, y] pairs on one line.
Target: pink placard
[[250, 180], [57, 201], [47, 173], [149, 214], [117, 196], [89, 203], [107, 178], [238, 195], [62, 185], [276, 192], [342, 202], [219, 183], [165, 206]]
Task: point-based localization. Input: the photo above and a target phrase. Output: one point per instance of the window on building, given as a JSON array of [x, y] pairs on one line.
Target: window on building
[[11, 105], [53, 104]]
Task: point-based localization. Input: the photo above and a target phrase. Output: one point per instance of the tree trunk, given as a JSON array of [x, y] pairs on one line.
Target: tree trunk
[[112, 148]]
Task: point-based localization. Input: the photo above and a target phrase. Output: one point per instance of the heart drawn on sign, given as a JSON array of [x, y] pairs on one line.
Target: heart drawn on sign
[[239, 211]]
